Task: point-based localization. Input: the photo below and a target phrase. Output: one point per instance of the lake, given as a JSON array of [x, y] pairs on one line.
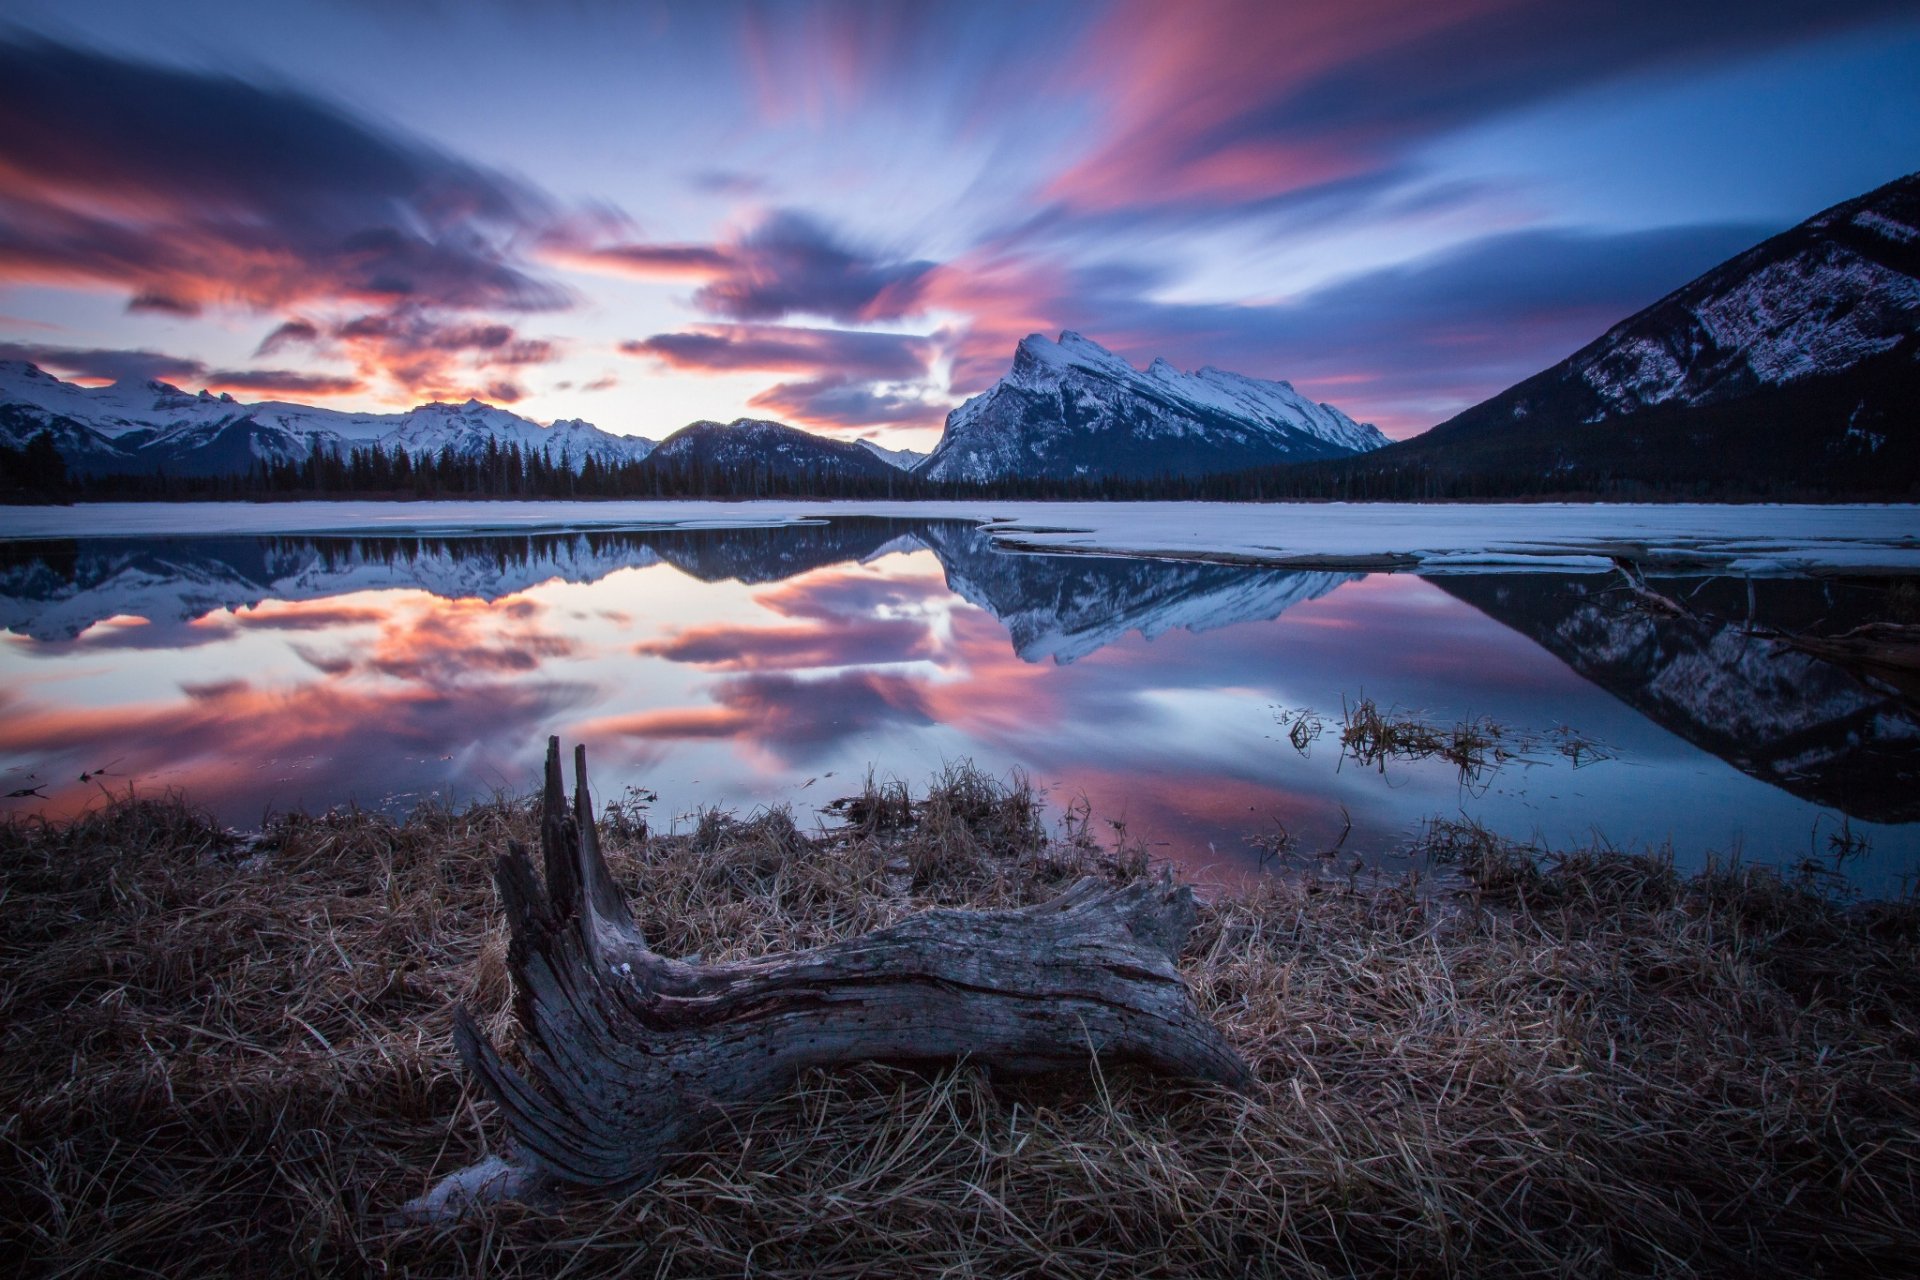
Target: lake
[[1200, 705]]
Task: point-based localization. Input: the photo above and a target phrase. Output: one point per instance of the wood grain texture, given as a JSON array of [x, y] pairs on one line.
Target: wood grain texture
[[632, 1054]]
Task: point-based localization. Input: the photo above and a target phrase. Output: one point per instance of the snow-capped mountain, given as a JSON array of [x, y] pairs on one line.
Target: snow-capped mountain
[[141, 426], [747, 448], [1073, 408], [904, 459], [1797, 360]]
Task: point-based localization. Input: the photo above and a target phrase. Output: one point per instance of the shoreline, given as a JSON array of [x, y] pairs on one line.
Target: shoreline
[[1768, 540], [1591, 1064]]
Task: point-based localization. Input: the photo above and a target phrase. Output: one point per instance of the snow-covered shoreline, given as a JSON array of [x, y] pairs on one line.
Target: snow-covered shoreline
[[1434, 538]]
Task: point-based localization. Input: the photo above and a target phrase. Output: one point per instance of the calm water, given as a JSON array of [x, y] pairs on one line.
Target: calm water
[[753, 667]]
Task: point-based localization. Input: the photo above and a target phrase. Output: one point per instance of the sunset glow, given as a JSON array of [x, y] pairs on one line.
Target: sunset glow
[[867, 208]]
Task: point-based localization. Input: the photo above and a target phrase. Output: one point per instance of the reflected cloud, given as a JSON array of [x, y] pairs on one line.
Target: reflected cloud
[[353, 665], [853, 642], [450, 642], [243, 746], [791, 718], [304, 615]]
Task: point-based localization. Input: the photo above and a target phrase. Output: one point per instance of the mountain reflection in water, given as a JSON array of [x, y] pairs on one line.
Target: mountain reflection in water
[[769, 665]]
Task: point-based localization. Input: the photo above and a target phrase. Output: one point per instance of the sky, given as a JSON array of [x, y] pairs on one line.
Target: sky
[[846, 215]]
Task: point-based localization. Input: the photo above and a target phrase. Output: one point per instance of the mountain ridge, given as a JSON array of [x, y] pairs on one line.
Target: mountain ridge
[[750, 446], [1794, 361], [141, 426]]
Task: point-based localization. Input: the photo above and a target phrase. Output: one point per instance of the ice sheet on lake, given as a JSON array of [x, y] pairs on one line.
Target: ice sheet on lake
[[1757, 539]]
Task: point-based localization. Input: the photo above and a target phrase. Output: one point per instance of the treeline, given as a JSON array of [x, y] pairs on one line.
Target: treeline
[[510, 472], [36, 473]]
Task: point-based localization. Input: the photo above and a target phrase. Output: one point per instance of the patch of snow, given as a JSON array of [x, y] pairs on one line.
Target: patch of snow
[[1873, 220], [1813, 313], [905, 459]]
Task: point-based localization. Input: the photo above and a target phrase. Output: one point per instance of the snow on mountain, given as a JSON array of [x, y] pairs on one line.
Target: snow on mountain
[[1836, 290], [1073, 408], [749, 446], [143, 425], [1794, 362], [905, 459]]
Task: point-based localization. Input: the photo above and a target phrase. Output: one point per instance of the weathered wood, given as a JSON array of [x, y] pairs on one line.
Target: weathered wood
[[1885, 651], [632, 1054]]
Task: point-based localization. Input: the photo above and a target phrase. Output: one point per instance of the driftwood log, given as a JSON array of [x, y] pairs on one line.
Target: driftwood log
[[633, 1054]]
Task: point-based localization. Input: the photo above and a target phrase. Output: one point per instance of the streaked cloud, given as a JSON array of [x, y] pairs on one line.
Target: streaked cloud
[[784, 263], [98, 364], [787, 349], [189, 188]]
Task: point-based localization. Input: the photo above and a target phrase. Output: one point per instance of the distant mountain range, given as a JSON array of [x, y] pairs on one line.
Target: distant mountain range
[[1066, 409], [747, 448], [148, 426]]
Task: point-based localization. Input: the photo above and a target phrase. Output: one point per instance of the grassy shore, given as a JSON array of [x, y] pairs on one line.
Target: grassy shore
[[225, 1057]]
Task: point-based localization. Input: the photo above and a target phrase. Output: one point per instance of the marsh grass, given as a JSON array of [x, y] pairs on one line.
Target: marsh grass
[[227, 1058], [1372, 737]]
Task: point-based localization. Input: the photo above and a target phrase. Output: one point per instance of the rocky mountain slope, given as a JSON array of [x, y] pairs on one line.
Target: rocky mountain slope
[[1797, 361], [1073, 408], [748, 447]]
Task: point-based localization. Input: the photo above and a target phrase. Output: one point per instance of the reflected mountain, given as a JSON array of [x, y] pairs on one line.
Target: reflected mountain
[[1066, 607], [1058, 607], [1718, 679], [57, 590], [770, 553]]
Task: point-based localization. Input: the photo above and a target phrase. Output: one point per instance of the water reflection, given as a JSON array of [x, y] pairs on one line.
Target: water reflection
[[1719, 677], [764, 665]]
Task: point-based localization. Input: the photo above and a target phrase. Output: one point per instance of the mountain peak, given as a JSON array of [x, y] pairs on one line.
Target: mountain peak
[[1039, 359], [1072, 408]]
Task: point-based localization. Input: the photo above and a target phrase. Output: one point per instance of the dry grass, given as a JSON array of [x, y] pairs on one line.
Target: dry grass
[[235, 1060]]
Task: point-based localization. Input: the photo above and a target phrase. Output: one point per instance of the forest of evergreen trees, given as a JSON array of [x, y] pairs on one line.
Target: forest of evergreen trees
[[36, 473]]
